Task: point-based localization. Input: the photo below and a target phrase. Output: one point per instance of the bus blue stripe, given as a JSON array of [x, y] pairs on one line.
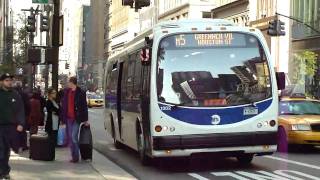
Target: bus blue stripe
[[203, 116]]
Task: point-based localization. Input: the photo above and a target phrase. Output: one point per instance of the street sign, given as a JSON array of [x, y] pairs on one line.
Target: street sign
[[40, 1]]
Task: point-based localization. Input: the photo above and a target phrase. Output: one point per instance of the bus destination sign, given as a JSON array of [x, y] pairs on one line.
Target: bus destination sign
[[213, 39]]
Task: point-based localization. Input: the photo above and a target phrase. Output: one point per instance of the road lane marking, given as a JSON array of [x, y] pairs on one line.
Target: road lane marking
[[229, 174], [197, 176], [260, 175], [293, 162]]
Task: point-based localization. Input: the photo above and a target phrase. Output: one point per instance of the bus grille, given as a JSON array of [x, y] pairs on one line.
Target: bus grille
[[315, 127]]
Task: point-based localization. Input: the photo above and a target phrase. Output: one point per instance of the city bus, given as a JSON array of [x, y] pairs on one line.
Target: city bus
[[193, 86]]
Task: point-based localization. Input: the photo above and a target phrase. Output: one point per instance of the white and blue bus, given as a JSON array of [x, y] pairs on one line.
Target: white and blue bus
[[193, 86]]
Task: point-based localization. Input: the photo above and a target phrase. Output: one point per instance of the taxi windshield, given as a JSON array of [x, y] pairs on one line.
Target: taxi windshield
[[299, 108]]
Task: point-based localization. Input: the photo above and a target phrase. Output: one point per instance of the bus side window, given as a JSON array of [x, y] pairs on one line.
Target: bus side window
[[137, 77], [112, 83], [124, 77], [130, 79]]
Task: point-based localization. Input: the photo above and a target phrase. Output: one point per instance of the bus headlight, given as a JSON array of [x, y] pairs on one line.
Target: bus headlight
[[300, 127]]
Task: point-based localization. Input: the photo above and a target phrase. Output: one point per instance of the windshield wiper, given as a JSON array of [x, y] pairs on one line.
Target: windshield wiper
[[177, 105], [248, 100], [289, 114], [310, 114]]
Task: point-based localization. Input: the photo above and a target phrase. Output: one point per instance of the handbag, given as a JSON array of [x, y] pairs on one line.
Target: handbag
[[61, 139]]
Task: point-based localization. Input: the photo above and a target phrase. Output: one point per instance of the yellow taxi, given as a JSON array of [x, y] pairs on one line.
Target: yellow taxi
[[299, 122], [95, 100]]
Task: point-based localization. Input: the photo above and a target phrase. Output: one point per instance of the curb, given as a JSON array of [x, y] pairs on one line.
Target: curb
[[108, 169]]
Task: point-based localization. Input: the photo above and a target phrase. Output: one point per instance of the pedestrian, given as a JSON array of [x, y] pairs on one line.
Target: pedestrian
[[53, 111], [22, 136], [35, 113], [11, 121], [74, 112]]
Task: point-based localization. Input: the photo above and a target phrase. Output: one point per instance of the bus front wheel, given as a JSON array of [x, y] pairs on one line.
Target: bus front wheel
[[245, 158], [145, 160]]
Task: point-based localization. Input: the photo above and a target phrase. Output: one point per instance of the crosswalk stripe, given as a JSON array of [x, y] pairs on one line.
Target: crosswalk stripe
[[197, 176]]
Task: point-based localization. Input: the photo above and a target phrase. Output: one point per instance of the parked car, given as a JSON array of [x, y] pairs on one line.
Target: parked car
[[299, 122], [95, 100]]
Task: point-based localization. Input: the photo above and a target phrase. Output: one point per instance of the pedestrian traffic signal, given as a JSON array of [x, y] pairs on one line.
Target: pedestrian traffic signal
[[44, 23], [31, 23], [127, 3], [67, 65], [138, 4], [276, 28]]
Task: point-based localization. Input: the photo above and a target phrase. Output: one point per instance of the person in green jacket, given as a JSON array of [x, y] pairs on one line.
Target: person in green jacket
[[11, 120]]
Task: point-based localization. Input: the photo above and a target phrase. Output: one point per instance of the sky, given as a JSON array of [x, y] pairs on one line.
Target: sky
[[17, 5]]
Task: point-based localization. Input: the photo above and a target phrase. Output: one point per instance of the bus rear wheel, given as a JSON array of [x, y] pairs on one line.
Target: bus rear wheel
[[144, 158], [245, 159]]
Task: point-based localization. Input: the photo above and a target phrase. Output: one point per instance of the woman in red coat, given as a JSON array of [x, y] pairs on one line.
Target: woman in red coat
[[35, 113]]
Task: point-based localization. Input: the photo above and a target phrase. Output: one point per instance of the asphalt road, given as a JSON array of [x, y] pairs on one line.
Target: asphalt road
[[298, 164]]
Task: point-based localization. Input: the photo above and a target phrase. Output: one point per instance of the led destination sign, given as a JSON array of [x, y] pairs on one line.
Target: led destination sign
[[206, 39]]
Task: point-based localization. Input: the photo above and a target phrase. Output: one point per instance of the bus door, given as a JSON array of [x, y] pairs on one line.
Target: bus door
[[119, 90]]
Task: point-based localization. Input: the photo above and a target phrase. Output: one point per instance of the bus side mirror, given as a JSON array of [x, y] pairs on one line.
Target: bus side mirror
[[281, 80], [145, 56]]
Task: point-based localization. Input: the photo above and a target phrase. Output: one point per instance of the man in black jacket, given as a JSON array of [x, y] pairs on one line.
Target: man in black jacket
[[11, 120], [74, 112]]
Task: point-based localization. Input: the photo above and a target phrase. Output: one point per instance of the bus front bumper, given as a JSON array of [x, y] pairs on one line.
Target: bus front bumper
[[184, 145]]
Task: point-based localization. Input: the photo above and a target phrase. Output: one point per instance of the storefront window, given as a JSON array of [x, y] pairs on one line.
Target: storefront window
[[309, 13]]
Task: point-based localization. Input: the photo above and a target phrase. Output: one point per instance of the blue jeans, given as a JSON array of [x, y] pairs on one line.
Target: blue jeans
[[73, 131]]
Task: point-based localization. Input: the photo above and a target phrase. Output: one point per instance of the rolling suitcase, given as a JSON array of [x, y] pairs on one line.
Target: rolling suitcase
[[85, 142], [41, 148]]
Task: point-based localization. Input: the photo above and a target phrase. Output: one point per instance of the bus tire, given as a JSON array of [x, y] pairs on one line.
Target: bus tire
[[245, 159], [116, 143], [282, 141], [144, 158]]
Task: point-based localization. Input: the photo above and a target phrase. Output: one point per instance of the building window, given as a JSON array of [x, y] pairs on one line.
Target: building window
[[266, 8], [206, 14]]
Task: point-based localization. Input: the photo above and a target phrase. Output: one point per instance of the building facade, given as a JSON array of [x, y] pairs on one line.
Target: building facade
[[235, 11], [184, 9], [124, 25], [6, 31]]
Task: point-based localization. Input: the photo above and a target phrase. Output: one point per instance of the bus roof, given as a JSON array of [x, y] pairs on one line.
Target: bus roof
[[181, 24]]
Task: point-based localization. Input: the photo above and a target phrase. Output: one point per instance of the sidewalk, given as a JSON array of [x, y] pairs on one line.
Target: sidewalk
[[24, 168]]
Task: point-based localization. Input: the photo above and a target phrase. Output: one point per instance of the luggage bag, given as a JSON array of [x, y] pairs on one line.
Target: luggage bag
[[85, 142], [41, 148]]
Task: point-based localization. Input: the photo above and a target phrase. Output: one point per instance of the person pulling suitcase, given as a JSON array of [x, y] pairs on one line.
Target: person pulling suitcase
[[74, 112]]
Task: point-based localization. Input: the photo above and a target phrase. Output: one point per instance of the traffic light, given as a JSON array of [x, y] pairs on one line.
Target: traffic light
[[67, 65], [272, 29], [280, 28], [127, 3], [31, 22], [138, 4], [44, 23], [276, 28]]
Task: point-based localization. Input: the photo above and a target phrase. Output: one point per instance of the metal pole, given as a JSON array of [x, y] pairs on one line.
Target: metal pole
[[55, 38], [46, 76]]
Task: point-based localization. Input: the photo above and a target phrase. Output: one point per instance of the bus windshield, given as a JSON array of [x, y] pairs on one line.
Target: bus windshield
[[212, 69]]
